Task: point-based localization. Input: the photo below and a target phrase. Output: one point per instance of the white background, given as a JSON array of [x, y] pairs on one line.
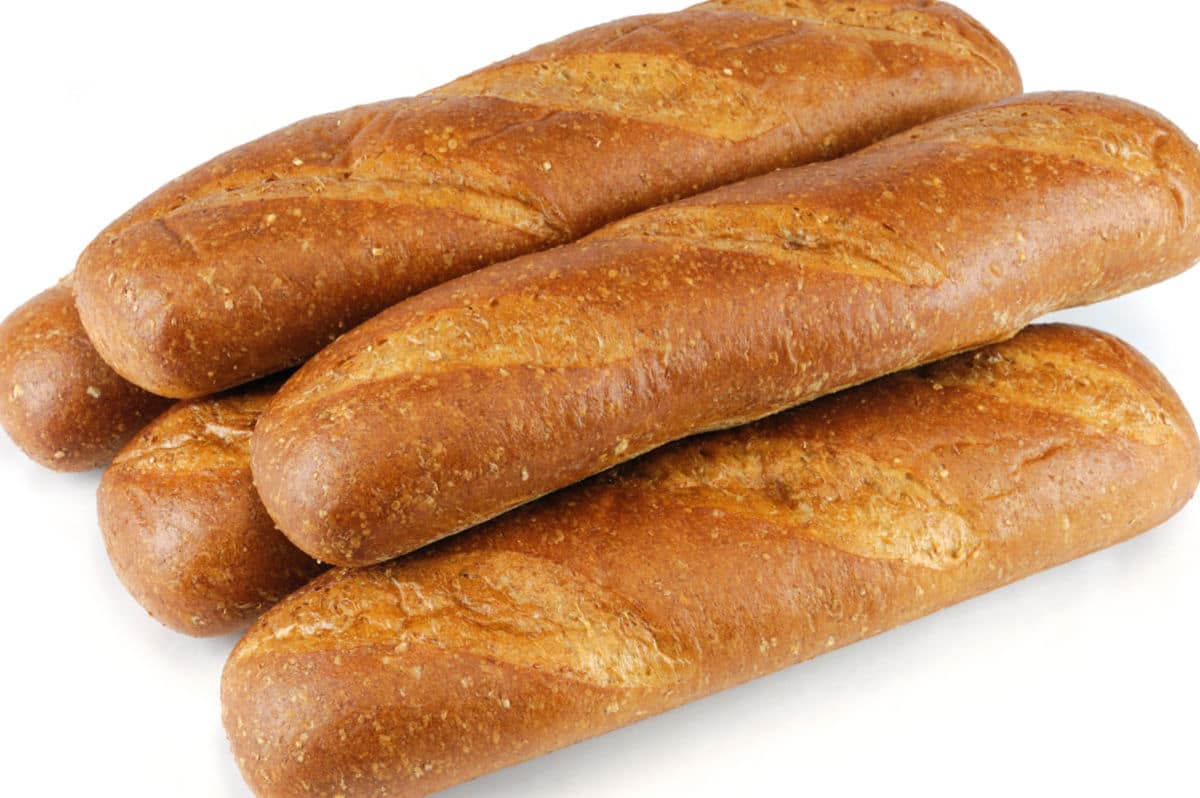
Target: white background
[[1081, 679]]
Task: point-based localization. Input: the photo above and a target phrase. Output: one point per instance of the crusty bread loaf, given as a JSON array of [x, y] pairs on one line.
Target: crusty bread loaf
[[59, 402], [706, 564], [517, 380], [183, 525], [257, 259]]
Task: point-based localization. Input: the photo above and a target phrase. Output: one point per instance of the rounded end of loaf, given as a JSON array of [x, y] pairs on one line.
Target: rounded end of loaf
[[1007, 79], [323, 713], [350, 477], [995, 73], [1173, 164], [363, 474], [1180, 447], [317, 718], [1103, 133], [173, 294], [59, 402], [312, 493], [328, 695], [1168, 151], [126, 302], [1092, 378], [184, 528]]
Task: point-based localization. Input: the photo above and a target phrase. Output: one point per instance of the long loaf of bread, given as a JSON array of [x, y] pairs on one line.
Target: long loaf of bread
[[183, 525], [257, 259], [517, 380], [59, 402], [706, 564]]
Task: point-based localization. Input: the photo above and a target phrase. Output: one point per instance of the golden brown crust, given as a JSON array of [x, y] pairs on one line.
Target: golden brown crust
[[517, 380], [254, 261], [184, 527], [705, 564], [59, 402]]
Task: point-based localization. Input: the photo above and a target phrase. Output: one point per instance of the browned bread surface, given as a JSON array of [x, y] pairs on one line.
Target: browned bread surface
[[517, 380], [59, 402], [257, 259], [184, 527], [706, 564]]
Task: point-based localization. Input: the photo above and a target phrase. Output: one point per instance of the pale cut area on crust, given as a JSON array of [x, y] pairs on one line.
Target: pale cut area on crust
[[1090, 136], [413, 181], [1061, 382], [839, 497], [806, 237], [661, 90], [915, 23], [513, 331], [504, 606], [197, 436]]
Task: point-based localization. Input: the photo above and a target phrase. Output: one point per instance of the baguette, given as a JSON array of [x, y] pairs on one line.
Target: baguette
[[706, 564], [257, 259], [512, 382], [184, 528], [59, 402]]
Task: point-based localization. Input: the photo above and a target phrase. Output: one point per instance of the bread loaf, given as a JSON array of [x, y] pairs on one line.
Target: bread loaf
[[257, 259], [184, 527], [706, 564], [520, 379], [59, 402]]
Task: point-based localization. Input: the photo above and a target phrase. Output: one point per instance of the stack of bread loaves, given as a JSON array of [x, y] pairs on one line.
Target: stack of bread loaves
[[516, 284]]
